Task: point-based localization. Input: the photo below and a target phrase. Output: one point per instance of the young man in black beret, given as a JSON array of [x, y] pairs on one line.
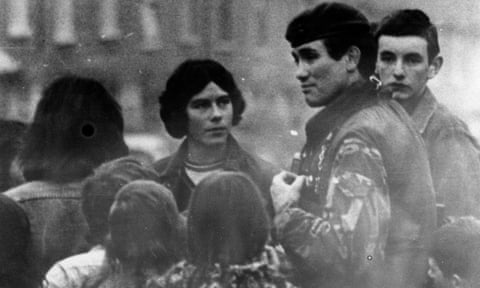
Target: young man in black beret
[[408, 56], [361, 210]]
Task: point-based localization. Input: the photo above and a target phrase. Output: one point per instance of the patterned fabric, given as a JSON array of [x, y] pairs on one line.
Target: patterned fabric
[[367, 210], [340, 239], [262, 273]]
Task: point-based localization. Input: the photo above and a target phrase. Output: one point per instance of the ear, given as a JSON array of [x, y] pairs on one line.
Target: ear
[[435, 66], [352, 58]]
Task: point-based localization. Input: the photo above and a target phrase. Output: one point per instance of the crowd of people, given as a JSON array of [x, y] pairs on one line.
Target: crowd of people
[[384, 194]]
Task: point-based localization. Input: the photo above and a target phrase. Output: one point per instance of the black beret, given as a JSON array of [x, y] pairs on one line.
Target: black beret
[[326, 20]]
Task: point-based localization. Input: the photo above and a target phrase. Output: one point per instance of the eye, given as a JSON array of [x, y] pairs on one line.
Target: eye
[[309, 56], [200, 104], [223, 101], [387, 58], [413, 59]]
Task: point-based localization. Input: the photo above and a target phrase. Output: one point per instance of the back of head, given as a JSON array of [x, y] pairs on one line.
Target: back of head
[[456, 248], [227, 221], [15, 266], [189, 79], [340, 26], [11, 133], [410, 22], [77, 126], [99, 192], [145, 226]]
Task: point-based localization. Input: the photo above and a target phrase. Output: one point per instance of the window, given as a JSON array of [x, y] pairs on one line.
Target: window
[[64, 29], [191, 12]]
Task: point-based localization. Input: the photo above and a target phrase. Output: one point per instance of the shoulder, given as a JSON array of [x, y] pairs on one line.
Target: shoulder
[[43, 190], [250, 162], [73, 271], [161, 165], [385, 118], [444, 121]]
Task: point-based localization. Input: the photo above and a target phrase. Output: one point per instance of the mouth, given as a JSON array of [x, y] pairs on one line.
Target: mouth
[[397, 86], [216, 130], [306, 87]]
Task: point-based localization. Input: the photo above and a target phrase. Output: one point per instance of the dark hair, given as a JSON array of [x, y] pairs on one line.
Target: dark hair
[[77, 126], [11, 132], [227, 221], [145, 227], [340, 26], [16, 267], [410, 22], [189, 79], [456, 247], [99, 192]]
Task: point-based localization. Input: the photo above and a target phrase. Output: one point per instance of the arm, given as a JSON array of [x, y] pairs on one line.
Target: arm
[[455, 166], [352, 232]]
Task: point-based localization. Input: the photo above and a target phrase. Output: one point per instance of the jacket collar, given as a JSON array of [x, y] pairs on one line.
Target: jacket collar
[[353, 99], [424, 110], [233, 160]]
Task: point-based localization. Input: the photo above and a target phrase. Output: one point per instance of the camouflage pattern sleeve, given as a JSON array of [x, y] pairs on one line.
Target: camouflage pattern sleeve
[[351, 233]]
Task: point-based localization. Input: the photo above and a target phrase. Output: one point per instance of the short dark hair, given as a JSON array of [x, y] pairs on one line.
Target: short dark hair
[[189, 79], [99, 192], [227, 221], [456, 247], [410, 22], [77, 126], [340, 26], [145, 226]]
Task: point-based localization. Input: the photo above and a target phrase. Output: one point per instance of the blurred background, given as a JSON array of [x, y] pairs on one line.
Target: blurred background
[[132, 46]]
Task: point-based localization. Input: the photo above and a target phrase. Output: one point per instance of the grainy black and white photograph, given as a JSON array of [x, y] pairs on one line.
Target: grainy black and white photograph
[[239, 144]]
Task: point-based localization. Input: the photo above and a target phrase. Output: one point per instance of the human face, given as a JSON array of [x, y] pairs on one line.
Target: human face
[[402, 64], [321, 77], [210, 114]]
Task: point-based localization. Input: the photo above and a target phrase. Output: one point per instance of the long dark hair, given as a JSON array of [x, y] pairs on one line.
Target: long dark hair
[[146, 230], [77, 126], [227, 221]]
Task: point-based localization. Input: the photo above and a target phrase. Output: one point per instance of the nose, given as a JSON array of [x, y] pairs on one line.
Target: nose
[[302, 71], [398, 70], [217, 113]]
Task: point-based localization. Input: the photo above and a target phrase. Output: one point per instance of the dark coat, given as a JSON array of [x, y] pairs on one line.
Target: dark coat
[[173, 175], [454, 158]]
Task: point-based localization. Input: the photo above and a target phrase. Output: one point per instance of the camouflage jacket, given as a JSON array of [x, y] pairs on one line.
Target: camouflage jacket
[[262, 272], [367, 211]]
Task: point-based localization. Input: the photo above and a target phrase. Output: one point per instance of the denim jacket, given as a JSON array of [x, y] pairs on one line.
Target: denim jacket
[[58, 227], [454, 157]]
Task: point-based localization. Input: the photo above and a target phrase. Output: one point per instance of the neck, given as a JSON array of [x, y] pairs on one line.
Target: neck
[[202, 154], [354, 78], [412, 102]]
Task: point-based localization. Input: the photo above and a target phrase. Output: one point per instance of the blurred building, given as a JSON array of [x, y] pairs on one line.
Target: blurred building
[[132, 46]]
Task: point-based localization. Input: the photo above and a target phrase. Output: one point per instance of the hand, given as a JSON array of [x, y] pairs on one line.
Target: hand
[[285, 189]]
